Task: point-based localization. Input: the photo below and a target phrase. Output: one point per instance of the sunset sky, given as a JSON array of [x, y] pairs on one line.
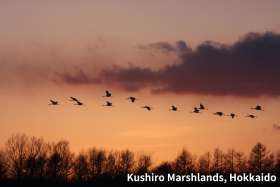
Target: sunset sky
[[224, 54]]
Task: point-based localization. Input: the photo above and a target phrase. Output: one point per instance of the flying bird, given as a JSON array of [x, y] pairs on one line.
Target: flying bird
[[132, 99], [173, 108], [73, 99], [195, 110], [77, 102], [251, 116], [232, 115], [219, 114], [147, 107], [258, 107], [52, 102], [107, 94], [108, 103], [201, 107]]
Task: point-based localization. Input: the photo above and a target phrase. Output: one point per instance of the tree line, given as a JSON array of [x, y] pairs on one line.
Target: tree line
[[30, 159]]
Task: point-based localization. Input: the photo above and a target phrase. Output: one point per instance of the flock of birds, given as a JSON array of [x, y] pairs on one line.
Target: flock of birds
[[174, 108]]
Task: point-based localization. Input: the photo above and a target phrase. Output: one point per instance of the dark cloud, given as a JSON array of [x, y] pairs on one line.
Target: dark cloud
[[78, 77], [132, 78], [179, 47], [248, 67]]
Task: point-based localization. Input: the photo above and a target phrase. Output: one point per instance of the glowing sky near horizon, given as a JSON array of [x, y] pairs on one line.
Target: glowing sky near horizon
[[59, 36]]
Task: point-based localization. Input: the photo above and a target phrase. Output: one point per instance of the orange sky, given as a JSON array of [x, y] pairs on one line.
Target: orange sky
[[161, 132], [65, 35]]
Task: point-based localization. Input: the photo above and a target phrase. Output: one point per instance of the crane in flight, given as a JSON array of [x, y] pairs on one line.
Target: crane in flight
[[173, 108], [52, 102], [219, 114], [76, 101], [258, 107], [251, 116], [132, 99], [108, 103], [202, 107], [107, 94], [73, 99], [232, 115], [147, 107], [196, 110]]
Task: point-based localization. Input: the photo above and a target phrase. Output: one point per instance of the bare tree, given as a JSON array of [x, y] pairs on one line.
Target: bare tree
[[241, 162], [31, 158], [97, 162], [204, 163], [100, 162], [184, 163], [218, 161], [144, 163], [36, 158], [60, 161], [111, 164], [229, 161], [16, 153], [269, 162], [125, 162], [257, 159], [81, 167]]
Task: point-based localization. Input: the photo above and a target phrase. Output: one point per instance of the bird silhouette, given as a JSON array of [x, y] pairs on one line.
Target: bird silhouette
[[195, 110], [77, 102], [232, 115], [251, 116], [173, 108], [108, 103], [73, 99], [258, 107], [107, 94], [201, 107], [132, 99], [147, 107], [219, 114], [52, 102]]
